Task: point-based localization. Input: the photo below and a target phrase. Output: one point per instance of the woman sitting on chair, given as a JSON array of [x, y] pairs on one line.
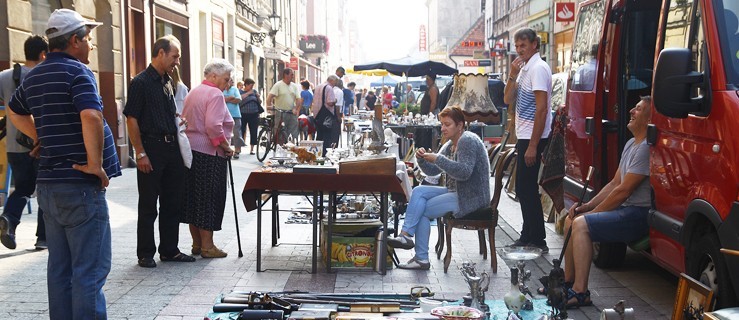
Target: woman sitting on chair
[[464, 161]]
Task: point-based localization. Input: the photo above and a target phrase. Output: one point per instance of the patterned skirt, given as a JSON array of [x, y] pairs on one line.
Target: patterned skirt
[[205, 191]]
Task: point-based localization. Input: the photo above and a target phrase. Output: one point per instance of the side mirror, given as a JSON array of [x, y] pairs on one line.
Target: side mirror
[[674, 82]]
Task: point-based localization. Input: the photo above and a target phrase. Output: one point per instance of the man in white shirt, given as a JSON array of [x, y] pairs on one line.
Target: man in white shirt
[[285, 95]]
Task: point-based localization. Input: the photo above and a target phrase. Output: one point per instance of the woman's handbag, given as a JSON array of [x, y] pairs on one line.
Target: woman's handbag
[[183, 141], [324, 118]]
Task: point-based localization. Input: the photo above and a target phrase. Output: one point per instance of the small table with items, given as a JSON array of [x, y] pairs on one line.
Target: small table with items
[[316, 184]]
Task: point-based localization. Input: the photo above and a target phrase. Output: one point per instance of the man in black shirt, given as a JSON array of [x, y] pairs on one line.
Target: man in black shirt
[[150, 116]]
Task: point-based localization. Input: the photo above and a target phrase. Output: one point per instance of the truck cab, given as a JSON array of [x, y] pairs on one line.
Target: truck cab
[[685, 53]]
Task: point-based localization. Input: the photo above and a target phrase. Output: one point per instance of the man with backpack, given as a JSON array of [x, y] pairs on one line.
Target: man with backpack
[[23, 166]]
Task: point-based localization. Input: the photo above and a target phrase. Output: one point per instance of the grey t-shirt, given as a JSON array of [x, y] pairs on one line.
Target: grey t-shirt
[[635, 159], [7, 88]]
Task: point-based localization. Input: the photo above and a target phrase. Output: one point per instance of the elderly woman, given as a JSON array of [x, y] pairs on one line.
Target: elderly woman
[[209, 130], [464, 161]]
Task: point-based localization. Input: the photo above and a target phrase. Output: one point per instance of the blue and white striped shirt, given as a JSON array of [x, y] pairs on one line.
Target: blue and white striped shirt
[[55, 92], [535, 76]]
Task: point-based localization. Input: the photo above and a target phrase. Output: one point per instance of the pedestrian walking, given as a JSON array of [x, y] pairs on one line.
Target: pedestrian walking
[[23, 166]]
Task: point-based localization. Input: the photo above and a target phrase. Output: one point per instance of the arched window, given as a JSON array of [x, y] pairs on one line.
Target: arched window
[[40, 12]]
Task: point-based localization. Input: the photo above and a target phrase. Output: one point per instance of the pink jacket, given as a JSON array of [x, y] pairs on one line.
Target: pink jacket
[[208, 120]]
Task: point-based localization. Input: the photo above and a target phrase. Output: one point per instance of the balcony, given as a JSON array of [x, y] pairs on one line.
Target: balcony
[[247, 9]]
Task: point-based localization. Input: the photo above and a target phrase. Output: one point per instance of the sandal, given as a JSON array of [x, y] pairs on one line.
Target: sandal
[[213, 253], [543, 290], [180, 257], [581, 299]]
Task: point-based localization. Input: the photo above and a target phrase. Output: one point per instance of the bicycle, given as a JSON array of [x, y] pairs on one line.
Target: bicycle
[[267, 140]]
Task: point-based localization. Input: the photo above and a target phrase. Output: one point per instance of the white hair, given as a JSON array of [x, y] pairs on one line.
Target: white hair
[[218, 66], [333, 77]]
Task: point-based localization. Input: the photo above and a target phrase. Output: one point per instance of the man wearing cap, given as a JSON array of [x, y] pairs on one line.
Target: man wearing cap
[[58, 106], [150, 117]]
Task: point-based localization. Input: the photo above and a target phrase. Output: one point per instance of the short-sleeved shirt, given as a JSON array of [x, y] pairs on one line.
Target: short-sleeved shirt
[[318, 98], [233, 108], [55, 92], [7, 88], [339, 94], [535, 76], [285, 95], [635, 159], [307, 98], [151, 101], [179, 96]]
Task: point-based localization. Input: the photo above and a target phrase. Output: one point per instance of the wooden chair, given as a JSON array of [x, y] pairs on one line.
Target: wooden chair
[[480, 220]]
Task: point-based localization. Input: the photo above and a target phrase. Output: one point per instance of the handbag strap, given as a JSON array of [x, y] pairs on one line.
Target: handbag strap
[[323, 97]]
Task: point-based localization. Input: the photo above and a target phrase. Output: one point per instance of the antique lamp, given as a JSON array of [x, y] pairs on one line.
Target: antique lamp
[[470, 93]]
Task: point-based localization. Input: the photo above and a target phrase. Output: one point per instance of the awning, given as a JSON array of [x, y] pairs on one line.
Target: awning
[[257, 51]]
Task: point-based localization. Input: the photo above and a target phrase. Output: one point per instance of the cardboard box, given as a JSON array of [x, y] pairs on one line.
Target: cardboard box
[[348, 251], [374, 166]]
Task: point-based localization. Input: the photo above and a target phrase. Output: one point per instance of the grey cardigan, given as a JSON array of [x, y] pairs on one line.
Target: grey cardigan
[[471, 171]]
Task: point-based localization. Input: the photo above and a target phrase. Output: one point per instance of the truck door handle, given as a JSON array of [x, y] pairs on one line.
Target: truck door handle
[[589, 126], [609, 126]]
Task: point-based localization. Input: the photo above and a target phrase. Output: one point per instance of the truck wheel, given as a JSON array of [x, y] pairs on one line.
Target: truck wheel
[[707, 264], [608, 254]]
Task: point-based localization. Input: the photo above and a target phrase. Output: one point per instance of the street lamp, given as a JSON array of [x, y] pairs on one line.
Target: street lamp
[[276, 22]]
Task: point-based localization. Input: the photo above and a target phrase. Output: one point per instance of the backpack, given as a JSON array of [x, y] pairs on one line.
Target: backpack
[[21, 138]]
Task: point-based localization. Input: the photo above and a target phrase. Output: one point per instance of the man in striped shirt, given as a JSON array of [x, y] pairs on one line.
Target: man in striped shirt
[[59, 107], [530, 83]]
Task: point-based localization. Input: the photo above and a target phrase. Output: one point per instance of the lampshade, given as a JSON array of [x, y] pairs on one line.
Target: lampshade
[[470, 93]]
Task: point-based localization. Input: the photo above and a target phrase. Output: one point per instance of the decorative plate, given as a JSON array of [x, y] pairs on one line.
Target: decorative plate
[[457, 313]]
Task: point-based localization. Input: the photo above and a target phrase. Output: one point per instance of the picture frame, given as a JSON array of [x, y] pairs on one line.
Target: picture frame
[[692, 299]]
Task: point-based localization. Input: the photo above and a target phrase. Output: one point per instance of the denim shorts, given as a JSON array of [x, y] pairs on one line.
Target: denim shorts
[[625, 224]]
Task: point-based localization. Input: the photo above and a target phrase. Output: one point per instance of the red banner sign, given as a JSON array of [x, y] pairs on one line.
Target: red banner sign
[[293, 63], [564, 12]]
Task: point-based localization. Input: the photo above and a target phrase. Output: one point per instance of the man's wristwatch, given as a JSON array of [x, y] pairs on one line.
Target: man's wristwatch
[[139, 156]]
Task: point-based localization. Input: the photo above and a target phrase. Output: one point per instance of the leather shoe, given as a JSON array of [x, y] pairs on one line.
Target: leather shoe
[[147, 263], [212, 253], [180, 257], [7, 233]]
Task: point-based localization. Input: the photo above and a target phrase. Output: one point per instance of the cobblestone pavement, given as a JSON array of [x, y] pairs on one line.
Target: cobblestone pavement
[[187, 290]]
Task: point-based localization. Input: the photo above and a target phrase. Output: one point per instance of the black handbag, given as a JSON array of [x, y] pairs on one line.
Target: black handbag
[[324, 118]]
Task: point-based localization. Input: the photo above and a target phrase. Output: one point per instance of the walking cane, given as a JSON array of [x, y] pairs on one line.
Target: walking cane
[[236, 215], [579, 203]]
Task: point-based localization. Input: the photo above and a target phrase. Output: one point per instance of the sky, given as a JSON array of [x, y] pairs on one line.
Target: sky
[[387, 29]]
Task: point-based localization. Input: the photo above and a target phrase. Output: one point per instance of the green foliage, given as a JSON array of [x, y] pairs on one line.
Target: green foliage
[[415, 108]]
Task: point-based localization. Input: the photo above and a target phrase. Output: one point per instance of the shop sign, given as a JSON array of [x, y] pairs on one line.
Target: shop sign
[[272, 53], [293, 63], [478, 63], [313, 44], [564, 12]]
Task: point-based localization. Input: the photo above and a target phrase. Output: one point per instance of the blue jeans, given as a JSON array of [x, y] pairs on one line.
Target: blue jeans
[[427, 203], [623, 224], [78, 235], [24, 169]]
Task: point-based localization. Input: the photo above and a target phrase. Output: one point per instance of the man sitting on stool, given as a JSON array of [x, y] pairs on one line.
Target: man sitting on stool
[[618, 213]]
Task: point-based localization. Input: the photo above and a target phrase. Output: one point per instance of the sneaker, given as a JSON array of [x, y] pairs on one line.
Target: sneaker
[[41, 245], [7, 233], [401, 242], [415, 264], [543, 247]]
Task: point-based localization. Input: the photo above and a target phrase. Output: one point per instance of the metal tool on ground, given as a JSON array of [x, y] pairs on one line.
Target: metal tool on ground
[[236, 213]]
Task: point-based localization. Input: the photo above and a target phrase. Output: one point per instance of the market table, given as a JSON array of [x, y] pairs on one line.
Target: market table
[[276, 183]]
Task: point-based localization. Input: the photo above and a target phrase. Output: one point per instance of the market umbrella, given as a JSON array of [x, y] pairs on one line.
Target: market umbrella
[[409, 67], [385, 80], [368, 72]]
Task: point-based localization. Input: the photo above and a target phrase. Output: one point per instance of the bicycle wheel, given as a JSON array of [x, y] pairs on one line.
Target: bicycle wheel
[[264, 144]]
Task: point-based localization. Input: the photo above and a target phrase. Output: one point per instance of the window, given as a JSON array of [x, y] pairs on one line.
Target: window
[[585, 47], [728, 22], [218, 50]]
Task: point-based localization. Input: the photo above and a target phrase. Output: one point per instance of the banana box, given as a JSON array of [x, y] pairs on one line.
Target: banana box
[[351, 251]]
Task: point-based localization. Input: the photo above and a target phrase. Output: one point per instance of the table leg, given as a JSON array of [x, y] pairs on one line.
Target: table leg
[[329, 228], [259, 232], [383, 251], [275, 207], [315, 231]]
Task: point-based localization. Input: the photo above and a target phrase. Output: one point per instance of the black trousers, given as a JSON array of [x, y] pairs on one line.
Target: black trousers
[[252, 119], [527, 191], [165, 183]]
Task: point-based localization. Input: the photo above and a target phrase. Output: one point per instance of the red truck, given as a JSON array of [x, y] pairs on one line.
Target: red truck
[[685, 53]]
